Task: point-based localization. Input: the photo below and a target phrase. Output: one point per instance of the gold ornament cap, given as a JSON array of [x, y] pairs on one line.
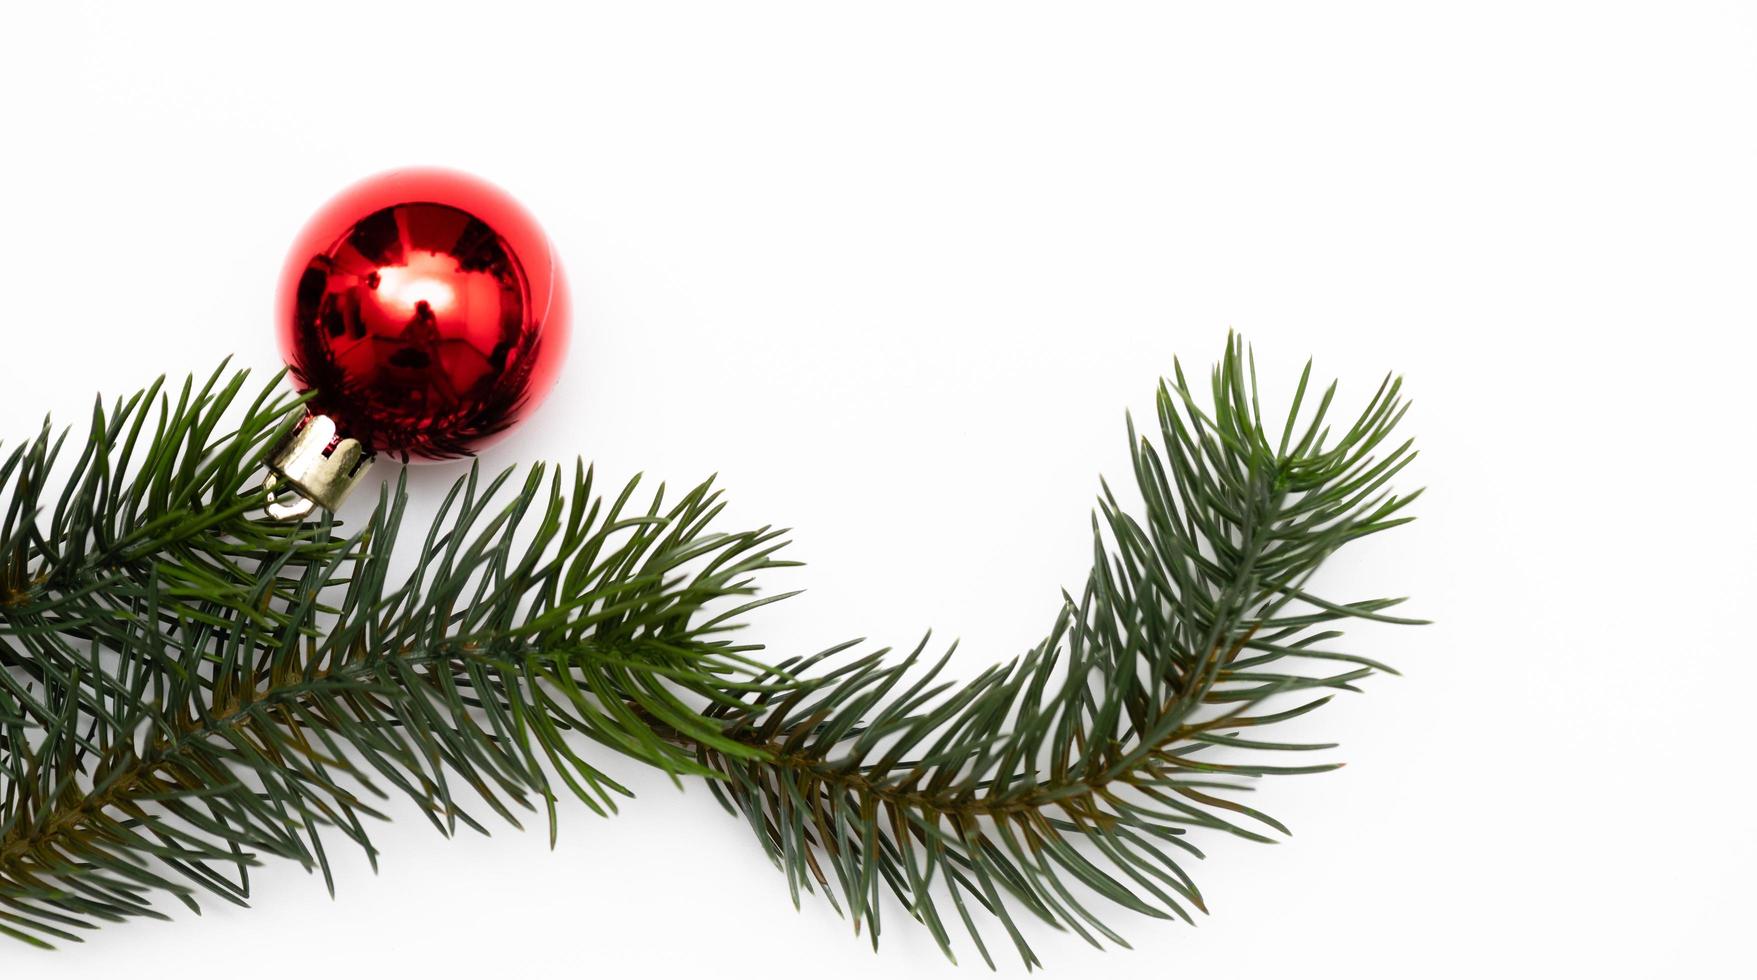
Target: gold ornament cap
[[316, 466]]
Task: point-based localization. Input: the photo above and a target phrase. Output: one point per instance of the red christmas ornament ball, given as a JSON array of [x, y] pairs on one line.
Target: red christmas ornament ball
[[426, 310]]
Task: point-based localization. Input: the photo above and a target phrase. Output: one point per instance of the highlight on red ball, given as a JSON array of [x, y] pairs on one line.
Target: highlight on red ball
[[427, 311]]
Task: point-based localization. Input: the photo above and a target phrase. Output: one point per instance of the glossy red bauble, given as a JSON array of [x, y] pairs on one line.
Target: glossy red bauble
[[427, 311]]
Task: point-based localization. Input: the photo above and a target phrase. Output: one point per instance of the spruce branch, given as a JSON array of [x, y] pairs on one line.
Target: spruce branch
[[185, 688]]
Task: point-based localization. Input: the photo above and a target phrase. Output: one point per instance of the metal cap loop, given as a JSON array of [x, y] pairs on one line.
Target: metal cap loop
[[316, 465]]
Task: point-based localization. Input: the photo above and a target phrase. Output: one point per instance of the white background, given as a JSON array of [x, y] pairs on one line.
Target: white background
[[895, 271]]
